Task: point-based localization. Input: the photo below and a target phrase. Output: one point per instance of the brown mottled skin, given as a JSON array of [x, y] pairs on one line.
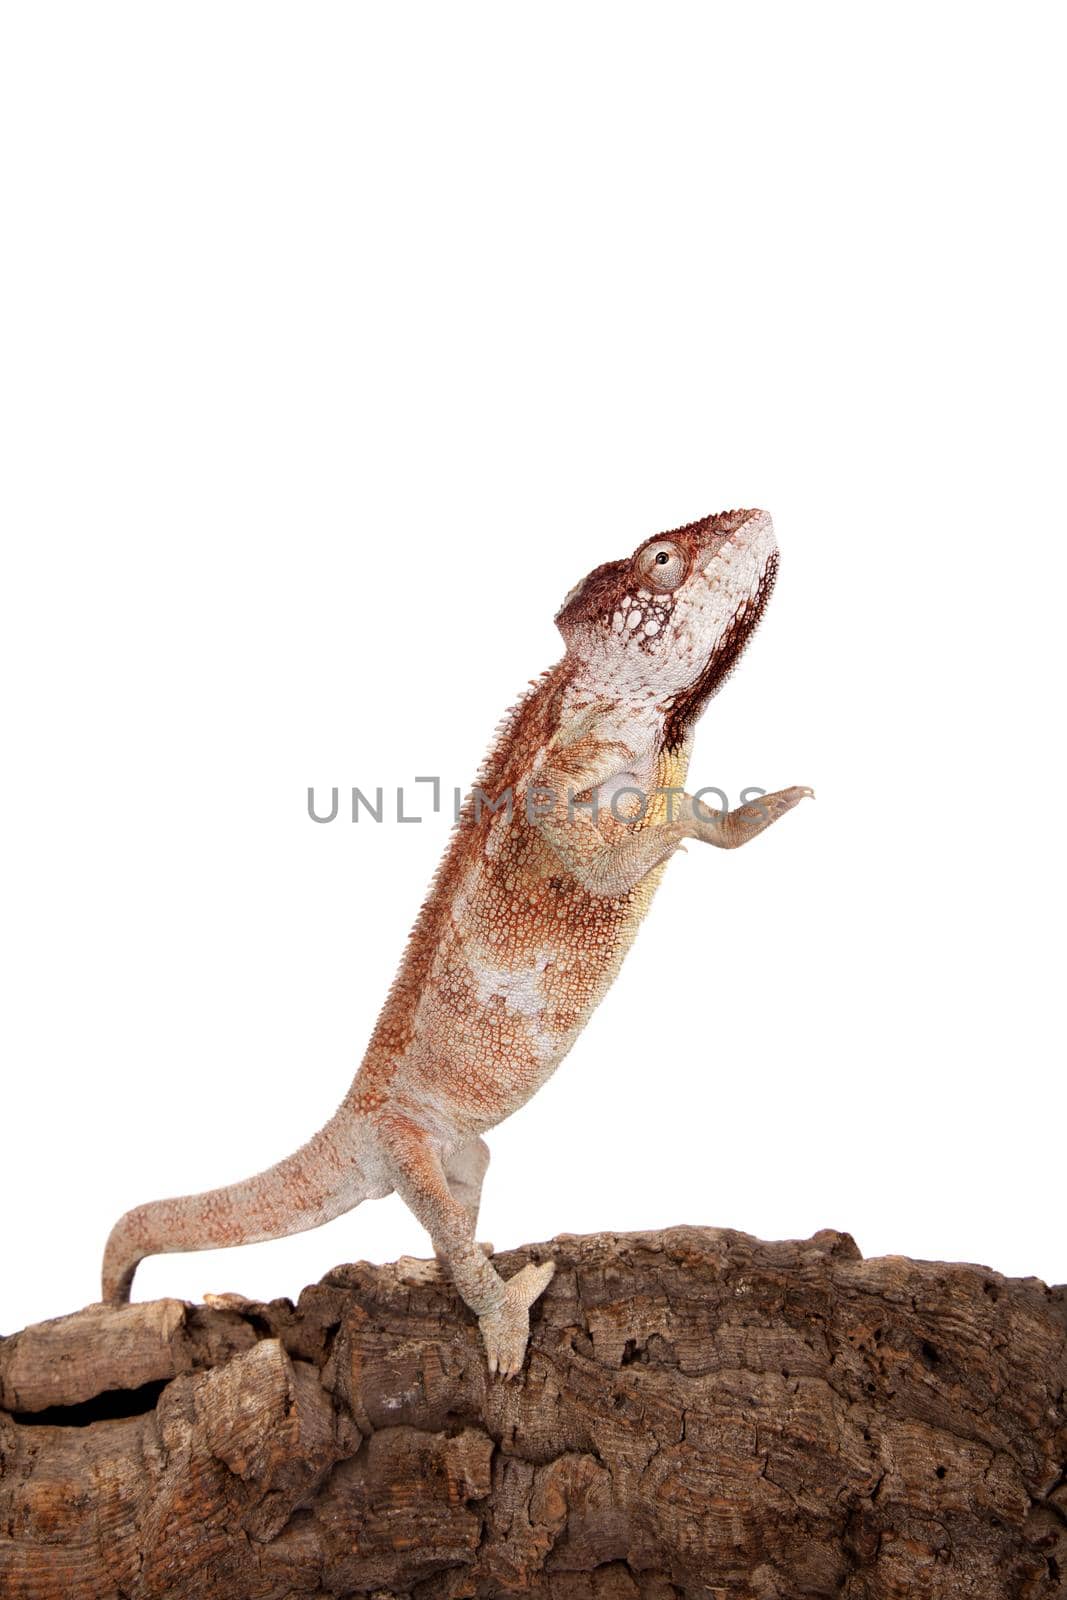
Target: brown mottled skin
[[527, 920]]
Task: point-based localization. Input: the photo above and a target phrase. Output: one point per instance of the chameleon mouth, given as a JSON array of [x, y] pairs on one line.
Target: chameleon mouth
[[690, 704], [757, 530]]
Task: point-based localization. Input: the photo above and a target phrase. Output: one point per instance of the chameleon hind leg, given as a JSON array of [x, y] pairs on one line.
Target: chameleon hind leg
[[465, 1169], [503, 1309]]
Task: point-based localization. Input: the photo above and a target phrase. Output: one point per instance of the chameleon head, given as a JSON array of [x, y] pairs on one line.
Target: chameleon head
[[672, 621]]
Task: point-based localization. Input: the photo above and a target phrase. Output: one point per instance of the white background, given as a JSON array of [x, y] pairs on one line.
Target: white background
[[338, 343]]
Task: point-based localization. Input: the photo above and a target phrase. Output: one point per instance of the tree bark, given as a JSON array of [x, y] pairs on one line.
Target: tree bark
[[700, 1414]]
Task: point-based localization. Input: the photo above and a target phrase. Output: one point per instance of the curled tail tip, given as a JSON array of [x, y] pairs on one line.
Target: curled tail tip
[[116, 1282], [115, 1290], [120, 1264]]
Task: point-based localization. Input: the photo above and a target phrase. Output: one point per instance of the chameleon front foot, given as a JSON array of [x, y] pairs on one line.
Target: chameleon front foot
[[506, 1331], [728, 829]]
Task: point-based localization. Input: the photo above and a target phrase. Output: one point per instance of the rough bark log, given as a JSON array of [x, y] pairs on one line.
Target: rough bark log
[[700, 1414]]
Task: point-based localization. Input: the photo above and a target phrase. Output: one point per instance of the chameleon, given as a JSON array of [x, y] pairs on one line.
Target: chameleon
[[550, 870]]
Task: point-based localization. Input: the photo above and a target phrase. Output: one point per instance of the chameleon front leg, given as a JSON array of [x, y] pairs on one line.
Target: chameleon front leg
[[609, 868], [729, 829], [502, 1309]]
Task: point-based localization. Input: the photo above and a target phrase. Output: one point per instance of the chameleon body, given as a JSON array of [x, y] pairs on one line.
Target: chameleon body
[[526, 922]]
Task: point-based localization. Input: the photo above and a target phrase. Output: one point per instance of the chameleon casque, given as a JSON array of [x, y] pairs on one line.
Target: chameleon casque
[[526, 922]]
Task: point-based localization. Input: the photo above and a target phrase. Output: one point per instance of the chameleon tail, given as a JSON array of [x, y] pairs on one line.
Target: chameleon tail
[[322, 1180]]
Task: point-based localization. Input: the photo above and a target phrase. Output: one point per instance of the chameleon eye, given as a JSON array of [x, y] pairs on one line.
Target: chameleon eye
[[661, 565]]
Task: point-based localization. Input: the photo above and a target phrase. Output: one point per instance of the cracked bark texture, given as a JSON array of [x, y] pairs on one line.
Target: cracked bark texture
[[700, 1414]]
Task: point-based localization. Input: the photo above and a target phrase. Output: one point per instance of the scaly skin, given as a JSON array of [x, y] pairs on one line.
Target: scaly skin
[[526, 923]]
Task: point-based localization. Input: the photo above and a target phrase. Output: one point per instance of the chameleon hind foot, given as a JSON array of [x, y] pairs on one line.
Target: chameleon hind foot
[[438, 1267], [506, 1331], [416, 1269]]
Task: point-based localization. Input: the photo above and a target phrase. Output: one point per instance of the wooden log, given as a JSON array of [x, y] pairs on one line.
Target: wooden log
[[700, 1414]]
